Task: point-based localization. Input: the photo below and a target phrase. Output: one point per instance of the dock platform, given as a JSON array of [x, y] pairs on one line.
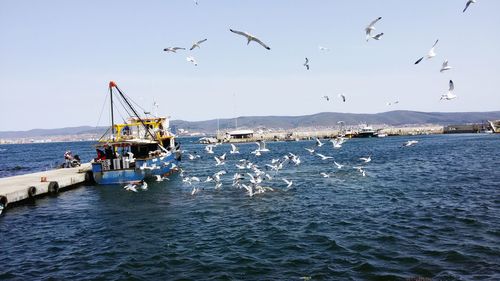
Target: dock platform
[[28, 186]]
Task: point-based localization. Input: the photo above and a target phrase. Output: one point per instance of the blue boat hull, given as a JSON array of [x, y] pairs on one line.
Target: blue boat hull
[[144, 170]]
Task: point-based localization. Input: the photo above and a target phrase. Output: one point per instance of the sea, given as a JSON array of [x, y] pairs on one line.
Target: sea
[[431, 210]]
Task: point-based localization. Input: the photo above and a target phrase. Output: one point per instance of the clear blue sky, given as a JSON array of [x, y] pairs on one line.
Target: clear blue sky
[[56, 58]]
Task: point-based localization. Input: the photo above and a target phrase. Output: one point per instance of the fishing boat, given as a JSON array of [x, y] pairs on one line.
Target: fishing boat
[[139, 149], [366, 132]]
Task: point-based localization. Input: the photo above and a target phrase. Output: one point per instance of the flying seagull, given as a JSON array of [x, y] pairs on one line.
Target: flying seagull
[[430, 54], [234, 149], [173, 49], [366, 159], [192, 60], [197, 44], [327, 98], [449, 95], [445, 66], [250, 38], [306, 64], [377, 37], [289, 183], [342, 96], [323, 157], [321, 48], [467, 4], [370, 28]]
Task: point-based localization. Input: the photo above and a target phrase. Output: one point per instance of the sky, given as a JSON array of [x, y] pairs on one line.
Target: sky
[[57, 58]]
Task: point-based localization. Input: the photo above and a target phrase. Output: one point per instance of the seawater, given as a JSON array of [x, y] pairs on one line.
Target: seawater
[[430, 210]]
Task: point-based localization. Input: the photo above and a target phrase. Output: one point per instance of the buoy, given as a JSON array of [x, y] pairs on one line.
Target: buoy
[[53, 187], [31, 192]]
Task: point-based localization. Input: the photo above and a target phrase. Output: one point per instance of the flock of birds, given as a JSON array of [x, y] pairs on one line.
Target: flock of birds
[[257, 177], [369, 31]]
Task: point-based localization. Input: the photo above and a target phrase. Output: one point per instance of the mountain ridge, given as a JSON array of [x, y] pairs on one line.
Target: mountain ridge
[[322, 119]]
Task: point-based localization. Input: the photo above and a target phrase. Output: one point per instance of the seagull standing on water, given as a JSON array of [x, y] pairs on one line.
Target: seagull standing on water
[[197, 44], [370, 28], [467, 5], [306, 64], [250, 38], [445, 66], [449, 95], [430, 54]]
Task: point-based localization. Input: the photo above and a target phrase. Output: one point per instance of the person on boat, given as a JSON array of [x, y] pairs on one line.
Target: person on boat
[[100, 154]]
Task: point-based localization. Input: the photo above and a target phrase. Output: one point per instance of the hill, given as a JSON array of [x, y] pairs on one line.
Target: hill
[[324, 119]]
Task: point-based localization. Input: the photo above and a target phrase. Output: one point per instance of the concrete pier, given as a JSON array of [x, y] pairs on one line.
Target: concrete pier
[[22, 187]]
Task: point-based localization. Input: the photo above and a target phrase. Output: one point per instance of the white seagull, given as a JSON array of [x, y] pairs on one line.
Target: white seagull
[[445, 66], [323, 157], [289, 183], [449, 95], [250, 38], [192, 60], [173, 49], [339, 166], [321, 48], [310, 150], [319, 143], [467, 5], [325, 175], [342, 96], [209, 149], [377, 37], [306, 64], [430, 54], [370, 28], [234, 149], [410, 143], [366, 159], [130, 187], [197, 44]]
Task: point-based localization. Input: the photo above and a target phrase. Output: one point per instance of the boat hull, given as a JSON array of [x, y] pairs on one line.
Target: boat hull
[[144, 170]]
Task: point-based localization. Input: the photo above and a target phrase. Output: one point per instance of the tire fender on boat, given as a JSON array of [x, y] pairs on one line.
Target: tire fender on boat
[[4, 201], [31, 192], [89, 177], [53, 187]]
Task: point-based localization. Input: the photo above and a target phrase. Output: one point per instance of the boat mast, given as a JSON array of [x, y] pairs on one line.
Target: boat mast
[[111, 85]]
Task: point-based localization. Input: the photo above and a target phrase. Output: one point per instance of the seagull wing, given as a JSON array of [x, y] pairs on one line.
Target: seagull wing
[[201, 41], [374, 22], [178, 48], [240, 33], [466, 6], [435, 43], [419, 60], [445, 64], [260, 42], [452, 86]]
